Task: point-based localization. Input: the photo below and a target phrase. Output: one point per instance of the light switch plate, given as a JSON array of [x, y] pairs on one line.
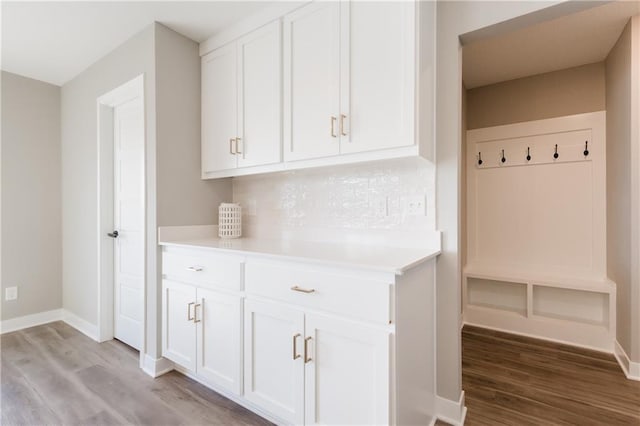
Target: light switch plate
[[11, 293], [416, 205]]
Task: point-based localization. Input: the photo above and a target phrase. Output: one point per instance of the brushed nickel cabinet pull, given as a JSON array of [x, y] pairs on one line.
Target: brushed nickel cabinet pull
[[238, 146], [333, 127], [296, 355], [194, 268], [342, 131], [195, 313], [303, 290], [189, 317], [306, 350], [231, 146]]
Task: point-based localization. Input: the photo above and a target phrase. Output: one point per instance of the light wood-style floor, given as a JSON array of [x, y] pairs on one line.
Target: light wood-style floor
[[514, 380], [54, 375]]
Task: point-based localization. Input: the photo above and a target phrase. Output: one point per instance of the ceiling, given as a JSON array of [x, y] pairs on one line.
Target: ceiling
[[55, 41], [581, 38]]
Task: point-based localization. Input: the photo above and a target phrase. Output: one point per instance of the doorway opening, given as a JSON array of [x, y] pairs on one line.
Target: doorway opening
[[121, 214]]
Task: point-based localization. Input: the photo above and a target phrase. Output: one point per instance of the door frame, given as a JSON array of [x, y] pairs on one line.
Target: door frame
[[105, 194]]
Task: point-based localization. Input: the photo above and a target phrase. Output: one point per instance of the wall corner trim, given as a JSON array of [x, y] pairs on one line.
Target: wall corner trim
[[631, 369], [452, 412], [82, 325], [26, 321], [156, 367]]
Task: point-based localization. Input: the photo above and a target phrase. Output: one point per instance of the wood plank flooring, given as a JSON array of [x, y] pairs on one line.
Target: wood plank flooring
[[54, 375], [514, 380]]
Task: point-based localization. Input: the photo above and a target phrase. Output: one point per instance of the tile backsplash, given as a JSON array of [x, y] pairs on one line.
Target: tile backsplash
[[390, 197]]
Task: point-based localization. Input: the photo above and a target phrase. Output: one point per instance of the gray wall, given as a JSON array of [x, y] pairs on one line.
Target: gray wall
[[183, 198], [620, 163], [554, 94], [31, 208], [80, 164], [456, 19]]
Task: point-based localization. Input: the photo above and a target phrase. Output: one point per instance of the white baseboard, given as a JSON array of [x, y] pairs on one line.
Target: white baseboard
[[631, 369], [156, 367], [26, 321], [82, 325], [452, 412]]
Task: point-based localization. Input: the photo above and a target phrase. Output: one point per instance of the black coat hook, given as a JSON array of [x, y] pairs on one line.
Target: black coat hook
[[586, 148], [555, 154], [503, 159], [479, 159], [528, 155]]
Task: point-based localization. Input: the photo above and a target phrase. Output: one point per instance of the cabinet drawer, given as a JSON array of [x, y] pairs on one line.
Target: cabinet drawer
[[294, 283], [202, 267]]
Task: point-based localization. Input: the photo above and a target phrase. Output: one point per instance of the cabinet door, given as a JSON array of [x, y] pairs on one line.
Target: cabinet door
[[178, 328], [273, 365], [377, 75], [346, 372], [259, 95], [218, 318], [311, 80], [219, 109]]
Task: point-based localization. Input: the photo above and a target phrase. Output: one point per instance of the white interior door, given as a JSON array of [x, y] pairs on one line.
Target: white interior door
[[129, 221]]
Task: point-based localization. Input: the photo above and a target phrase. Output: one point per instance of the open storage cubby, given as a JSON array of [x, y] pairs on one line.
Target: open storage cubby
[[588, 307], [503, 295], [576, 311]]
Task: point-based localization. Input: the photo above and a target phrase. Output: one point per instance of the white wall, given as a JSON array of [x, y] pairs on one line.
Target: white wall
[[466, 20], [340, 202], [31, 198], [623, 161]]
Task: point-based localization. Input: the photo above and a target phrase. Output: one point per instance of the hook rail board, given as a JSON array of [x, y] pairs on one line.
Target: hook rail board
[[535, 149]]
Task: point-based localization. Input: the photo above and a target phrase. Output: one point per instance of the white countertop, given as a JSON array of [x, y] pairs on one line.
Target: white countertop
[[367, 256]]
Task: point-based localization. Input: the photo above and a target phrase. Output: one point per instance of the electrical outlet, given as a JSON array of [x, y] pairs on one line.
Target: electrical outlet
[[11, 293], [416, 205], [379, 206]]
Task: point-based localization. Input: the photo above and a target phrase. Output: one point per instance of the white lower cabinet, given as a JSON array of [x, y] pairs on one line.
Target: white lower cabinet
[[202, 333], [309, 368], [303, 343]]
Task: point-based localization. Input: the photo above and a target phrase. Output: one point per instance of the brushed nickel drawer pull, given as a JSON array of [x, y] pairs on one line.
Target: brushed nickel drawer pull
[[303, 290], [296, 355], [306, 350], [195, 312], [189, 317], [195, 268]]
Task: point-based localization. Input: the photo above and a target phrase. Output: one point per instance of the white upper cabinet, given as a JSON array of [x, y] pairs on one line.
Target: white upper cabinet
[[377, 102], [219, 106], [329, 82], [241, 102], [361, 54], [311, 81], [259, 97]]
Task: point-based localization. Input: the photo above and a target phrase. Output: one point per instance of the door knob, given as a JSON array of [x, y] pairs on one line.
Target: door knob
[[113, 234]]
